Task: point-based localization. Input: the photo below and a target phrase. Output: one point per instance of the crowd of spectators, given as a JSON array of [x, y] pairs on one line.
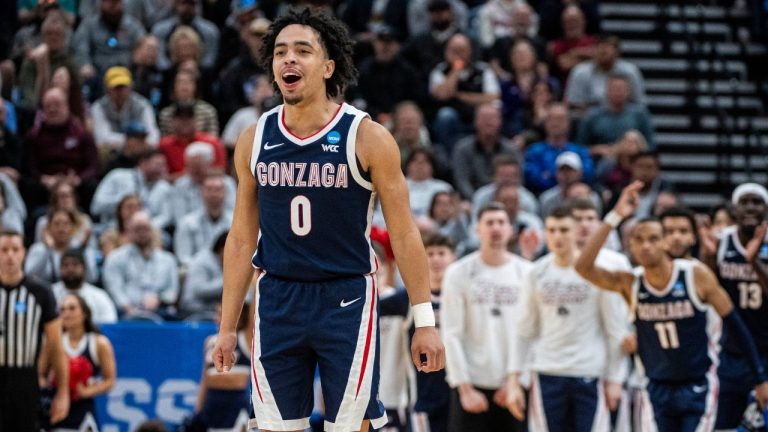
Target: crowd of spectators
[[118, 120]]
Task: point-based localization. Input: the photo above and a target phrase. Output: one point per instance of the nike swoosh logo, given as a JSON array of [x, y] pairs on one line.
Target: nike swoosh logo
[[347, 303], [270, 147], [699, 389]]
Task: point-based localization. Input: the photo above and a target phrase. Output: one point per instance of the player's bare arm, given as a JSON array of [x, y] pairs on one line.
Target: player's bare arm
[[712, 293], [753, 256], [241, 243], [618, 281], [379, 155]]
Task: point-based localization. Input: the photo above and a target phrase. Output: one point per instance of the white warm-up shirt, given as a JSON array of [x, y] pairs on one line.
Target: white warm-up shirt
[[569, 327], [478, 319]]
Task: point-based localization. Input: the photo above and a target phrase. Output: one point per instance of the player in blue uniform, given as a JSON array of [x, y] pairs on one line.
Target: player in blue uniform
[[739, 261], [309, 173], [673, 303]]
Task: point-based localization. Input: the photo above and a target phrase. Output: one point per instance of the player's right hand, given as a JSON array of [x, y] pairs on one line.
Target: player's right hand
[[629, 199], [426, 341], [515, 399], [224, 351], [472, 401]]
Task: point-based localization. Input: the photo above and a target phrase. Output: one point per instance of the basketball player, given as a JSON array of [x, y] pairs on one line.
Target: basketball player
[[679, 225], [478, 320], [739, 261], [673, 303], [576, 331], [430, 409], [309, 174]]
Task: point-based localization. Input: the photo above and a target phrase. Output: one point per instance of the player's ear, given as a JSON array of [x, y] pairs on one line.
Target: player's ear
[[330, 66]]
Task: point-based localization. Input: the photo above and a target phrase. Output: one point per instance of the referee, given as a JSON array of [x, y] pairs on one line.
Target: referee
[[27, 309]]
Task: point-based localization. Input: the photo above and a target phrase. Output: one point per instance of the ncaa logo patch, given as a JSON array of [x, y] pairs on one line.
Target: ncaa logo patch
[[333, 137], [20, 307]]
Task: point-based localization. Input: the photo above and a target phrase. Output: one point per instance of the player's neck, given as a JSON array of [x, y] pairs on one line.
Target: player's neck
[[74, 335], [743, 235], [566, 258], [307, 117], [658, 275], [494, 256]]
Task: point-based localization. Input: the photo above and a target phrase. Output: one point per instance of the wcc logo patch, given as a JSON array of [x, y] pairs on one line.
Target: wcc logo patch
[[333, 139]]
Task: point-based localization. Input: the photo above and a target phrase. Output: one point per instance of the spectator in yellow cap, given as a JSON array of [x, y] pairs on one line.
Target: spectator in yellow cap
[[120, 106]]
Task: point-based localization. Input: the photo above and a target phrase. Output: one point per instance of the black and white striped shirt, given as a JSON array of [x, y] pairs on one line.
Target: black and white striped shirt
[[24, 311]]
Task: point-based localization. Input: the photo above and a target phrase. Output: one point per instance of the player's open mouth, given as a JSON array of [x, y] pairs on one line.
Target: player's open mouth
[[291, 79]]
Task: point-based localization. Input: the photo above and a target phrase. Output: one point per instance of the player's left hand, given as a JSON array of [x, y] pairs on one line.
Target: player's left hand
[[60, 406], [761, 394], [753, 246], [426, 341], [613, 392]]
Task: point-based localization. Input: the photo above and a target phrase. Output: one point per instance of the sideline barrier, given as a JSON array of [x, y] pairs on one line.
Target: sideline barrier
[[158, 372]]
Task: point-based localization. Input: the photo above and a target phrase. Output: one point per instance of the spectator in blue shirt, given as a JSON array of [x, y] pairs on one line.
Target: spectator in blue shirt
[[539, 167]]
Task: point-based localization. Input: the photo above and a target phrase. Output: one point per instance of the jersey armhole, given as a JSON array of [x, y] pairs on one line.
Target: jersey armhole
[[691, 286], [361, 177], [93, 348]]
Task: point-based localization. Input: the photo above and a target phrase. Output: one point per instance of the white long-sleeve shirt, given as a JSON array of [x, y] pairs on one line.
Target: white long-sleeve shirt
[[478, 319], [575, 328]]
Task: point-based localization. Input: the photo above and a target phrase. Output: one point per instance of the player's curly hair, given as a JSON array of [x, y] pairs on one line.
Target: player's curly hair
[[334, 36]]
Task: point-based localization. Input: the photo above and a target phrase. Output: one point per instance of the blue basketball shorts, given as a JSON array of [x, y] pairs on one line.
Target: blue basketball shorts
[[688, 406], [330, 325], [561, 403]]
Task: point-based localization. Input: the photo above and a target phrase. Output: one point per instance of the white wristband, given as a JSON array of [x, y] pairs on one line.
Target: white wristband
[[613, 219], [423, 315]]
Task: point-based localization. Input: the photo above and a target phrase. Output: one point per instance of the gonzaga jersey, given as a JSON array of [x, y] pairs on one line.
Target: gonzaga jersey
[[738, 278], [315, 201], [677, 335]]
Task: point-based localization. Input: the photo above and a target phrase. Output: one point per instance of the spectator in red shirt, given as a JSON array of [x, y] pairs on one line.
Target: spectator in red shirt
[[575, 46], [185, 133], [60, 148]]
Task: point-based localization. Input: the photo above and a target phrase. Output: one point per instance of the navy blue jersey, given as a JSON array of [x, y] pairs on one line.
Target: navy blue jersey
[[677, 335], [738, 278], [315, 201], [432, 390]]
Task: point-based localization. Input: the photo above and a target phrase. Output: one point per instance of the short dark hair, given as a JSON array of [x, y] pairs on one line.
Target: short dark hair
[[11, 233], [504, 159], [582, 204], [439, 240], [334, 37], [421, 151], [644, 154], [560, 212], [679, 211], [648, 219], [75, 254], [491, 206]]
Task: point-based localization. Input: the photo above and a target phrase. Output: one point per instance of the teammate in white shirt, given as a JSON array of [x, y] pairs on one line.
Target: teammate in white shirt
[[575, 331], [478, 318]]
